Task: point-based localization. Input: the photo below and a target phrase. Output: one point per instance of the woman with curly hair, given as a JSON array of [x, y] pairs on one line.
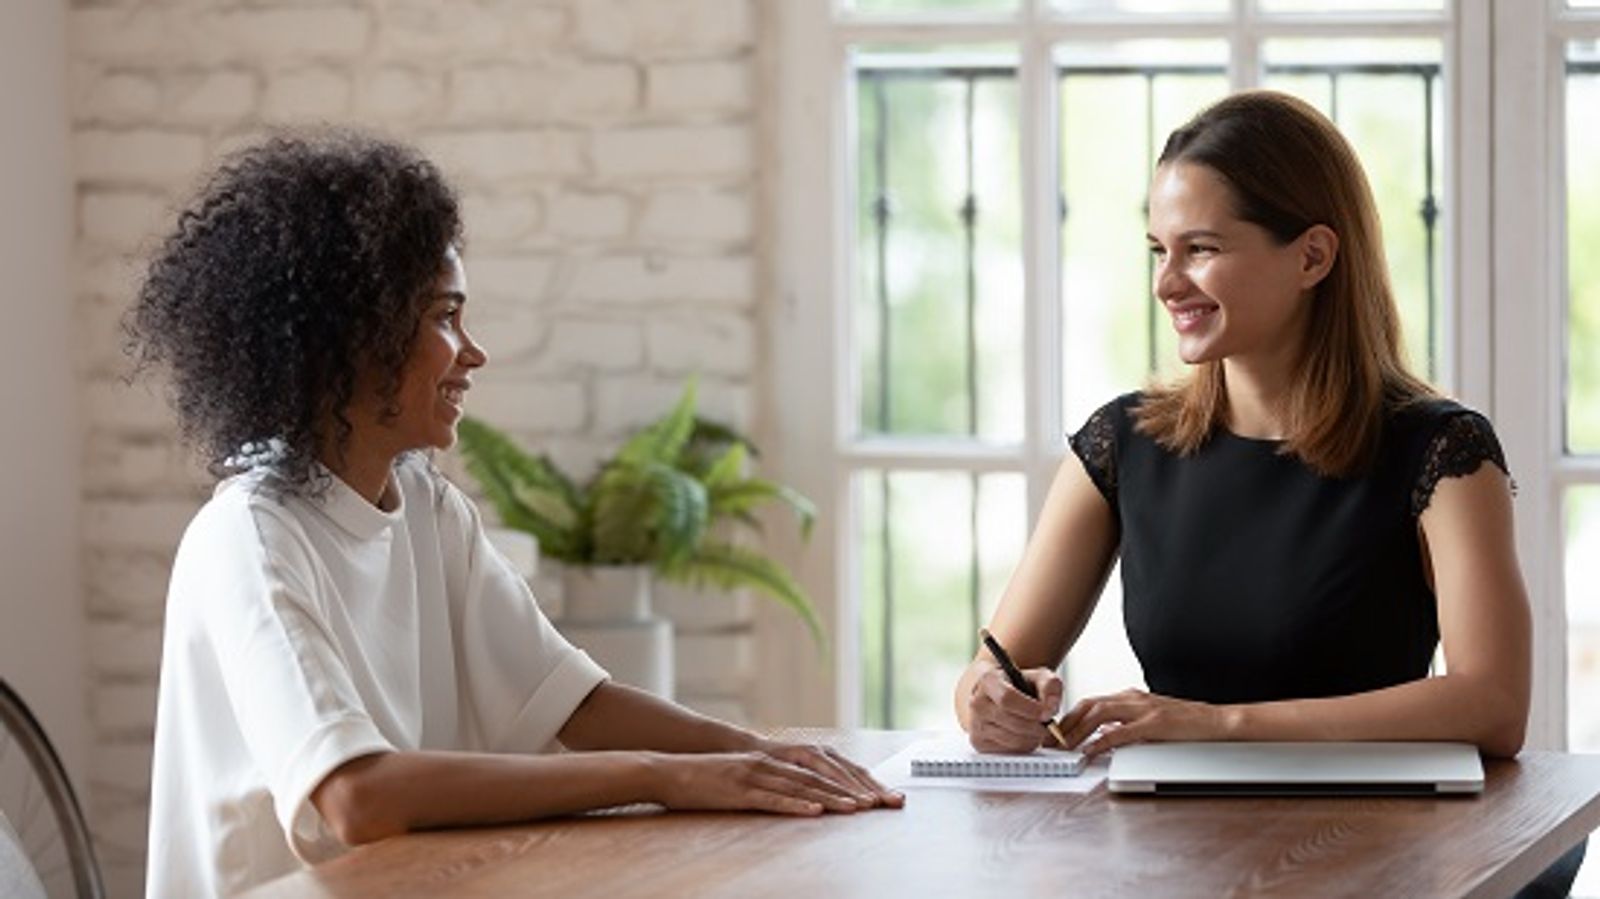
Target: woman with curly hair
[[346, 657]]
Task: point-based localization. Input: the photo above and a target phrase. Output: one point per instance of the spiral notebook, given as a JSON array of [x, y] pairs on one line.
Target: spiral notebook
[[1044, 771], [949, 758]]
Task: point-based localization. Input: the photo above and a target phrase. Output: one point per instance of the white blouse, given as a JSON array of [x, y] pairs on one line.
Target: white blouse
[[303, 633]]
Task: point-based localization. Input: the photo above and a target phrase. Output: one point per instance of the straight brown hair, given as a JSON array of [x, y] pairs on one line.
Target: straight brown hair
[[1288, 169]]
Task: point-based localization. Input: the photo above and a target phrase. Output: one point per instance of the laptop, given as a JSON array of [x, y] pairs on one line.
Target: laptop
[[1296, 769]]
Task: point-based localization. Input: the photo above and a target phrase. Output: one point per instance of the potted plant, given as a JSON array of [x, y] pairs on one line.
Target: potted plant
[[665, 504]]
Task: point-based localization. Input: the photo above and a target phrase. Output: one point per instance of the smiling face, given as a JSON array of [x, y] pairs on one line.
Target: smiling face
[[1231, 289], [437, 372], [427, 402]]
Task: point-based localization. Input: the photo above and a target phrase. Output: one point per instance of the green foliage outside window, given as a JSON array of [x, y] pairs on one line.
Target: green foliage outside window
[[1106, 300]]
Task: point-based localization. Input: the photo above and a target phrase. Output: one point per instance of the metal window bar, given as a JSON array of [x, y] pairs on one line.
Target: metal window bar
[[1151, 319], [877, 79], [1573, 67], [969, 227], [882, 214], [880, 217]]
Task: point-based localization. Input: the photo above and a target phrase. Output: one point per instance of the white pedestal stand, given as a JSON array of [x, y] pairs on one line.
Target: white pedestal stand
[[606, 612]]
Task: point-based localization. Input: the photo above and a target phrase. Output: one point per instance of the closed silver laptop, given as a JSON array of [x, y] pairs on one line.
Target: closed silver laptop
[[1297, 769]]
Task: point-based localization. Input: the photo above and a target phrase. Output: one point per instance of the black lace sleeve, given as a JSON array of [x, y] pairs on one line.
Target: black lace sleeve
[[1462, 445], [1096, 445]]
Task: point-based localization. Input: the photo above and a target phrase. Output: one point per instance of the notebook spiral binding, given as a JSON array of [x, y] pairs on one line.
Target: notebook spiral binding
[[997, 767]]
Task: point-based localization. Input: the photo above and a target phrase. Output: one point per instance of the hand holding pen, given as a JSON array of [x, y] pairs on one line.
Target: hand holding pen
[[1009, 711]]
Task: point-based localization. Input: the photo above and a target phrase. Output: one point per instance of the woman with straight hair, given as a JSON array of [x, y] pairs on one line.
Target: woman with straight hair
[[346, 656], [1301, 520]]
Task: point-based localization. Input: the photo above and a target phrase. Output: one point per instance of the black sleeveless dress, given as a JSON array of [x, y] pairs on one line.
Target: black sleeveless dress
[[1248, 577]]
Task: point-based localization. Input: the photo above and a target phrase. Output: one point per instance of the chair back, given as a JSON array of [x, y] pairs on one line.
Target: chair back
[[39, 810], [18, 880]]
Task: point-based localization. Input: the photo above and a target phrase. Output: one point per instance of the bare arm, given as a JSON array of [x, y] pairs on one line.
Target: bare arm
[[617, 716], [1044, 609], [648, 750], [1485, 629], [1484, 626]]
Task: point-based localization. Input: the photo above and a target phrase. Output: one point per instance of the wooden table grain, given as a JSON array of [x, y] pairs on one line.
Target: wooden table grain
[[951, 843]]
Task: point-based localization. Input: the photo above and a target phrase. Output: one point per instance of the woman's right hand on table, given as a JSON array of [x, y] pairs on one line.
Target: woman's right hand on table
[[1001, 718], [754, 781]]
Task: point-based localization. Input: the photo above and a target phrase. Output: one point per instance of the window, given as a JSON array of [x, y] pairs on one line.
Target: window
[[1546, 343], [990, 283], [1578, 471], [963, 281], [1579, 465]]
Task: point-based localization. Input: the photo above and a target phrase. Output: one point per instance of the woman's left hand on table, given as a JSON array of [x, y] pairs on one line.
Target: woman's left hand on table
[[832, 764], [1134, 716]]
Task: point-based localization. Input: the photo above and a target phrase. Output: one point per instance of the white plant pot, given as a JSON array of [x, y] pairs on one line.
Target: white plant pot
[[519, 548], [606, 612], [606, 593]]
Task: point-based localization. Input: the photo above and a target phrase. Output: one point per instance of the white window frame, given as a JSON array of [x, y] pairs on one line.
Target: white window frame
[[1530, 303], [809, 367]]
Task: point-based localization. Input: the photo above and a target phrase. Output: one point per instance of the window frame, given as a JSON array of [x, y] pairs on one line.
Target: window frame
[[1530, 337], [812, 219]]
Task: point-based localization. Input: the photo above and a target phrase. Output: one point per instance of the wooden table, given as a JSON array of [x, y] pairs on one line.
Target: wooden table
[[950, 843]]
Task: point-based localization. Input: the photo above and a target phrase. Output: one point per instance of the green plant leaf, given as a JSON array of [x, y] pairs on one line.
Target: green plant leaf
[[727, 469], [729, 567], [709, 440], [621, 511], [654, 502], [648, 513], [740, 498], [664, 440], [530, 494]]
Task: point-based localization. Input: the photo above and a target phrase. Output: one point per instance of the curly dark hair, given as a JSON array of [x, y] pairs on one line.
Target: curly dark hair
[[304, 261]]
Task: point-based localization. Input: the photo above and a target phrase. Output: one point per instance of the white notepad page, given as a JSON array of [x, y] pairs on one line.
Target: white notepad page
[[964, 761], [1043, 771]]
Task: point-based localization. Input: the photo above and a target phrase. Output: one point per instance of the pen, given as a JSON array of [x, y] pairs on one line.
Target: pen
[[1017, 680]]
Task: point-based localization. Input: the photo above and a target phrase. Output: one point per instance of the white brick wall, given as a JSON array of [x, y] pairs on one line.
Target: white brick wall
[[699, 87], [491, 157], [527, 406], [501, 219], [128, 410], [283, 34], [508, 280], [105, 276], [115, 97], [511, 334], [121, 219], [312, 93], [604, 151], [214, 97], [666, 280], [724, 344], [696, 217], [543, 92], [142, 156], [689, 153], [625, 403], [594, 344], [402, 93], [126, 586], [678, 28], [450, 34], [588, 216]]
